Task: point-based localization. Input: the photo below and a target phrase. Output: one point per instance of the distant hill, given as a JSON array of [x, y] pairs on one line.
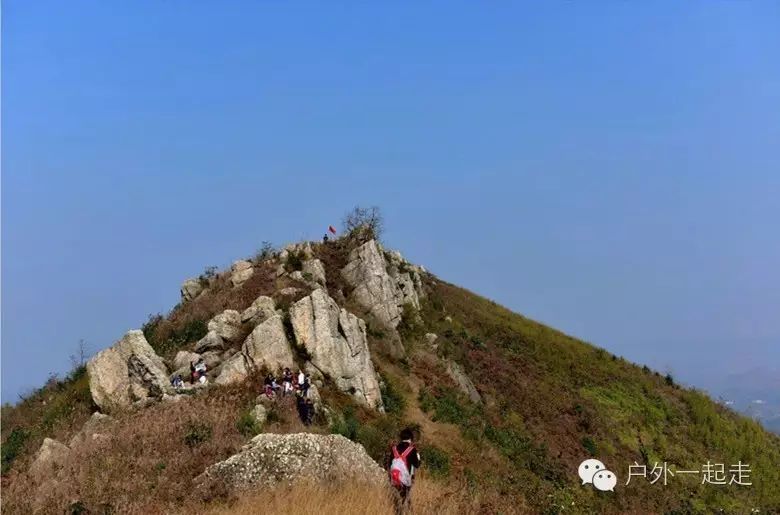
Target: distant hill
[[506, 408]]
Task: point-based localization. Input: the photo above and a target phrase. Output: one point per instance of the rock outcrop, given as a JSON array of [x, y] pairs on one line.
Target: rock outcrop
[[270, 459], [184, 358], [267, 346], [262, 308], [336, 342], [127, 372], [463, 382], [211, 342], [314, 269], [382, 288], [240, 272], [227, 325], [51, 455], [95, 428], [190, 289]]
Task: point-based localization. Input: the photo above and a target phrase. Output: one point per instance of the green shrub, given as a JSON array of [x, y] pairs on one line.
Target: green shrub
[[196, 434], [247, 424], [392, 398], [347, 425], [436, 461], [589, 445], [12, 447], [265, 252]]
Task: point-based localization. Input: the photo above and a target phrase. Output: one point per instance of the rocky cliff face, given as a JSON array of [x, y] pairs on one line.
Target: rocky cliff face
[[336, 341], [128, 372], [382, 286]]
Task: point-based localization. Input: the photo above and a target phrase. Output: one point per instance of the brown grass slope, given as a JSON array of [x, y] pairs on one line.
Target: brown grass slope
[[549, 402]]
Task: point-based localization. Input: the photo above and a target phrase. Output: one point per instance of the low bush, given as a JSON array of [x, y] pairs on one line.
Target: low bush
[[435, 461]]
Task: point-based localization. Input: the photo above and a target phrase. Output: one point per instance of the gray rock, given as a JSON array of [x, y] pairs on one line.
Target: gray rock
[[261, 309], [431, 338], [336, 341], [315, 269], [184, 358], [212, 359], [463, 382], [190, 289], [289, 291], [240, 272], [212, 341], [373, 288], [270, 459], [227, 325], [50, 456], [127, 372], [268, 346], [234, 370], [304, 249], [96, 425]]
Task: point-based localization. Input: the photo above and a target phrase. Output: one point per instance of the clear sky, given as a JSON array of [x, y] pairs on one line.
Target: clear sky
[[610, 168]]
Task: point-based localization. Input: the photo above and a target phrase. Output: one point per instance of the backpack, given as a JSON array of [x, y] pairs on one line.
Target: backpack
[[399, 470]]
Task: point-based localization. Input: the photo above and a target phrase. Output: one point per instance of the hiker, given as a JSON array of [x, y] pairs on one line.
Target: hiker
[[287, 381], [271, 386], [325, 238], [301, 377], [200, 371], [306, 385], [404, 462], [193, 375], [177, 382], [308, 411]]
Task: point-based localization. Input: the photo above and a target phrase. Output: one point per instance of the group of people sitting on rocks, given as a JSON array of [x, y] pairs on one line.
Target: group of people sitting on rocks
[[291, 384], [198, 371]]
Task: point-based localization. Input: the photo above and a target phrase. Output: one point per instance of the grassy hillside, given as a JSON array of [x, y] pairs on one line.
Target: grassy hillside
[[550, 401]]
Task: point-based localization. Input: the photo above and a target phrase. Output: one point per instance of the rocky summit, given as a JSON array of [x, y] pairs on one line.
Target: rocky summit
[[193, 411]]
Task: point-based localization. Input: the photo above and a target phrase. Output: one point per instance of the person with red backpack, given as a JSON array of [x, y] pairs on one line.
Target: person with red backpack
[[405, 460]]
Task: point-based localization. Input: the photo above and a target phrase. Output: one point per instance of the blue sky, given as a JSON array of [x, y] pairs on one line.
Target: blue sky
[[609, 168]]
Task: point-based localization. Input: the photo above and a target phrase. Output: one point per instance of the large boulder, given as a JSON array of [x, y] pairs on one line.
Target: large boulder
[[240, 272], [211, 342], [50, 456], [271, 459], [336, 342], [268, 346], [227, 325], [184, 358], [463, 382], [127, 372], [95, 428], [235, 369], [191, 288], [261, 309]]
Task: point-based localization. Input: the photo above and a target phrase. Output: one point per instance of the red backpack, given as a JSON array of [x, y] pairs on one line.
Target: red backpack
[[399, 468]]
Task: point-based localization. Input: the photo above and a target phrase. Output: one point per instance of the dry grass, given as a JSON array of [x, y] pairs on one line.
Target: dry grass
[[428, 497]]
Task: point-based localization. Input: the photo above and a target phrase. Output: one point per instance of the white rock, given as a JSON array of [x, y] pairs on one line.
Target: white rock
[[51, 455], [212, 341], [240, 272], [336, 341], [261, 309], [270, 459], [184, 358], [463, 382], [227, 325], [315, 269], [190, 289], [127, 372], [259, 413], [267, 346], [373, 288]]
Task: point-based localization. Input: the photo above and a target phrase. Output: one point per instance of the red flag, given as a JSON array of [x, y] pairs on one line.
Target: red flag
[[332, 229]]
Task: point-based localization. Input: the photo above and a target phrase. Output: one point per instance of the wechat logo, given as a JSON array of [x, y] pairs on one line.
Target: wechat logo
[[594, 472]]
